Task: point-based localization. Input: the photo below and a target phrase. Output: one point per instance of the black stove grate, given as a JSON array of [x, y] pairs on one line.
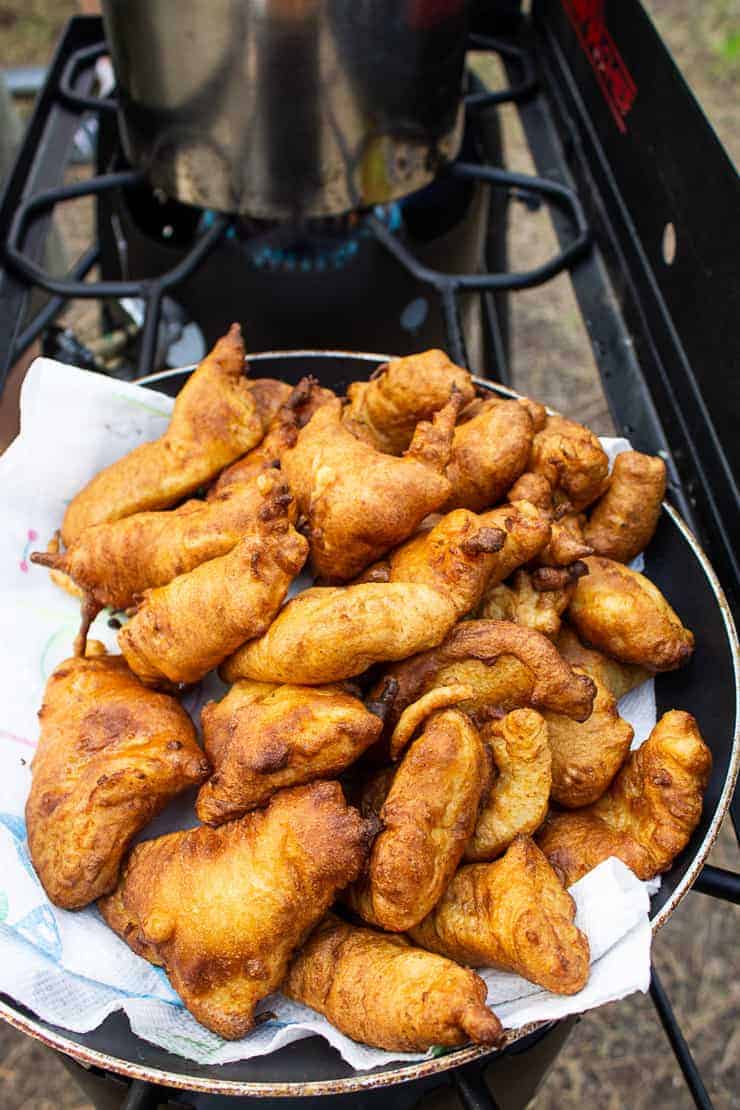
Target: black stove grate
[[657, 360]]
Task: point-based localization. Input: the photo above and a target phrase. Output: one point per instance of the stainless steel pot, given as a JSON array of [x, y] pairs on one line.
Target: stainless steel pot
[[287, 109]]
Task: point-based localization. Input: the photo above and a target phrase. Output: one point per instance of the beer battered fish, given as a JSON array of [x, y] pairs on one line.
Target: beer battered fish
[[214, 421], [115, 563], [647, 815], [518, 799], [521, 603], [586, 756], [385, 411], [330, 633], [223, 910], [573, 461], [110, 756], [186, 628], [489, 452], [383, 992], [261, 738], [624, 614], [508, 666], [618, 678], [624, 520], [427, 818], [282, 433], [357, 502], [513, 915]]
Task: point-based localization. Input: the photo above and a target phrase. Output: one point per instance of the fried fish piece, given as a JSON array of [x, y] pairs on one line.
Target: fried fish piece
[[489, 452], [269, 394], [586, 756], [213, 422], [383, 992], [223, 910], [621, 612], [521, 603], [518, 799], [385, 410], [182, 630], [295, 412], [455, 557], [623, 521], [567, 543], [110, 756], [618, 678], [514, 915], [647, 815], [427, 818], [358, 502], [537, 412], [573, 461], [463, 553], [114, 563], [441, 697], [507, 665], [263, 737], [330, 633]]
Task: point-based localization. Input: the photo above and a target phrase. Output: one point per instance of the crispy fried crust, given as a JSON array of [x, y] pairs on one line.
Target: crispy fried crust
[[358, 502], [517, 802], [573, 461], [648, 814], [381, 991], [115, 563], [621, 612], [503, 662], [456, 557], [489, 452], [213, 422], [269, 394], [224, 909], [527, 531], [441, 697], [618, 678], [587, 756], [282, 433], [110, 756], [330, 633], [427, 818], [521, 603], [261, 738], [567, 543], [385, 410], [186, 628], [514, 915], [624, 520]]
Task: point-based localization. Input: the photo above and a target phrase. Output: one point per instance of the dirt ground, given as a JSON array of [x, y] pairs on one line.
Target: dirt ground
[[617, 1057]]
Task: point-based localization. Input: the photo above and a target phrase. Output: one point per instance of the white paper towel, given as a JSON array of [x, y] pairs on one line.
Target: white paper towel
[[69, 968]]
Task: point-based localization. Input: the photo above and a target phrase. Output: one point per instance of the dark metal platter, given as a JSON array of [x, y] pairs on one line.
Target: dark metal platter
[[709, 688]]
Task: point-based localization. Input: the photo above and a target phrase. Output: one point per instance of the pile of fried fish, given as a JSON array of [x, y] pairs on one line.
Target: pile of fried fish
[[416, 756]]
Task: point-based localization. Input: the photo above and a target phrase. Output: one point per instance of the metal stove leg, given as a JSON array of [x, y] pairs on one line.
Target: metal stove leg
[[472, 1089], [717, 882], [141, 1096], [681, 1050]]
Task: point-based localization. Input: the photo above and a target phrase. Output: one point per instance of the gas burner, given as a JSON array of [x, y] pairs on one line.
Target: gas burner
[[311, 247]]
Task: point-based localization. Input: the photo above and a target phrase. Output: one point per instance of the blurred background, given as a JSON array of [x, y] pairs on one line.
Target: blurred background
[[617, 1057]]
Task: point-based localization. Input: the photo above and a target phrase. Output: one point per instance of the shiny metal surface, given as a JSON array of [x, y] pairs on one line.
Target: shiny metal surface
[[288, 109]]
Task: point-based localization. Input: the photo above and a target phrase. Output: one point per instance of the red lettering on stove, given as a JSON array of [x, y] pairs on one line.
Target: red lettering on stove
[[615, 80]]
